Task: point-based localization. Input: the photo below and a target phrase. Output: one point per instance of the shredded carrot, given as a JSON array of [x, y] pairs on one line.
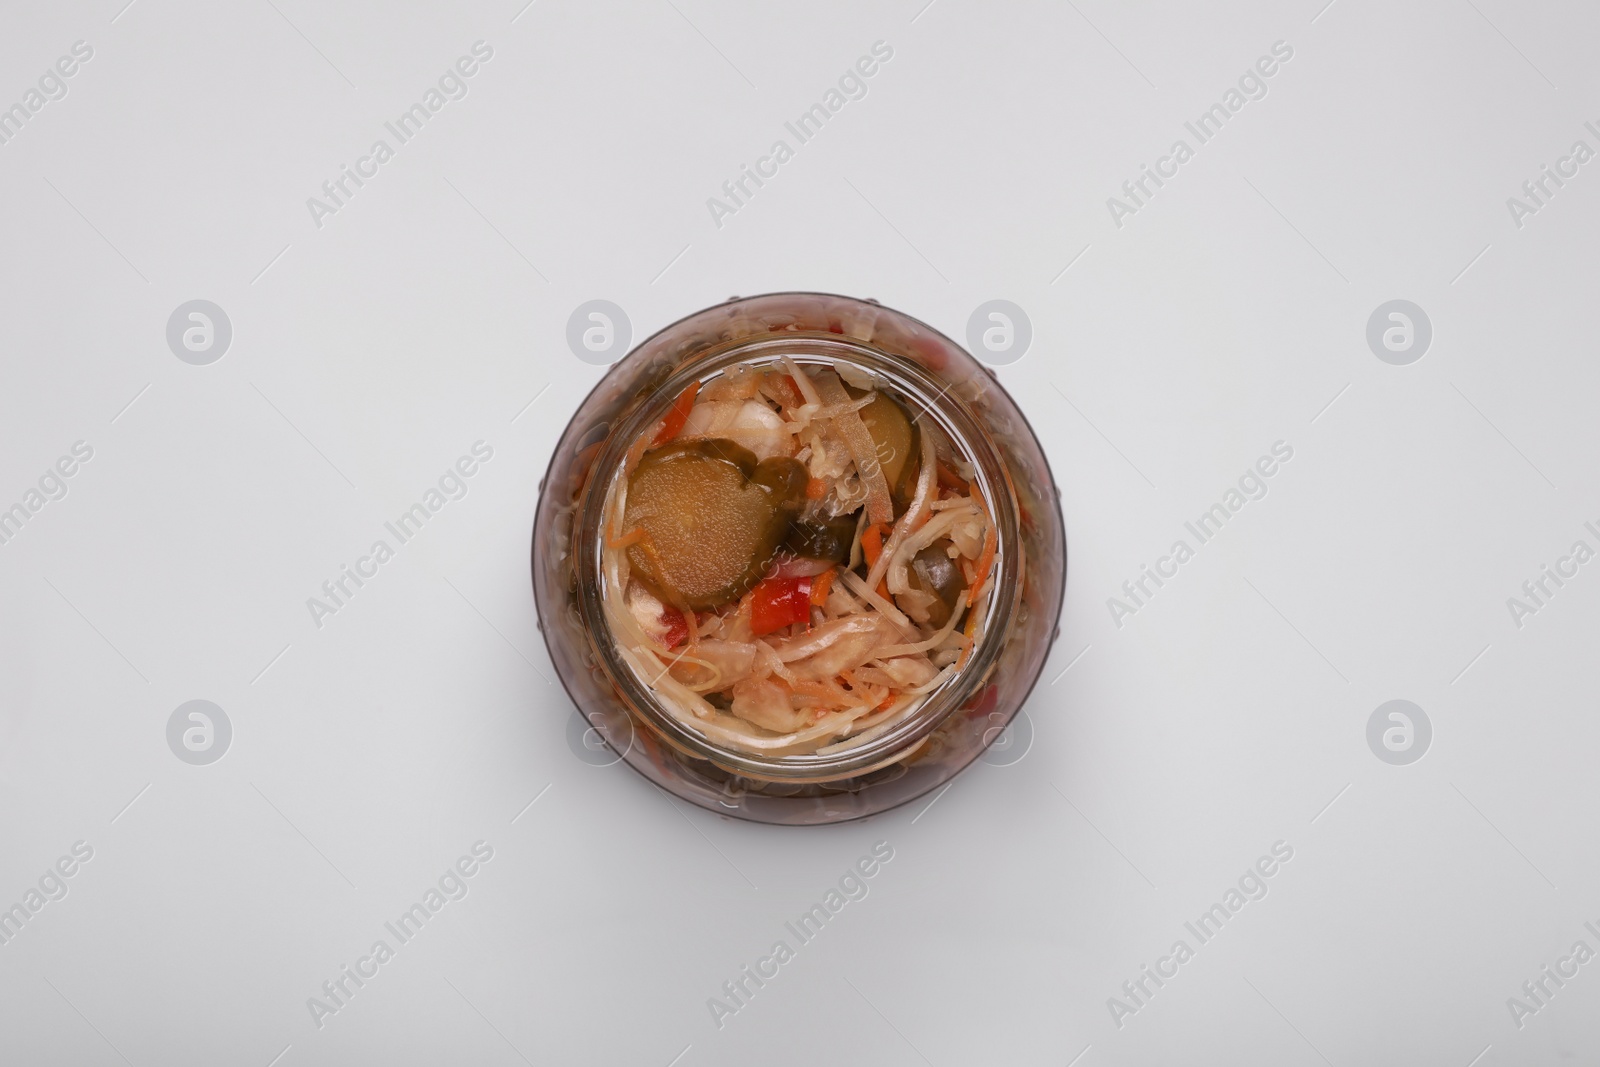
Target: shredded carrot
[[872, 548], [977, 497], [647, 545], [820, 586], [985, 561], [966, 644], [872, 543], [672, 424], [629, 539], [816, 488], [784, 384], [985, 557], [886, 702], [949, 479]]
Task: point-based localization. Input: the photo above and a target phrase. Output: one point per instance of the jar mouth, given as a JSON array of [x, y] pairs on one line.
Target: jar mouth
[[933, 398]]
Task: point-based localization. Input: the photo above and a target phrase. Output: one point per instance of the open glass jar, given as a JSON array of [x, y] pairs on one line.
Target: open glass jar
[[968, 682]]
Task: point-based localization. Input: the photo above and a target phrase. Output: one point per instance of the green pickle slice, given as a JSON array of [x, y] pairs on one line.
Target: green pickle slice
[[898, 443], [713, 518], [933, 571]]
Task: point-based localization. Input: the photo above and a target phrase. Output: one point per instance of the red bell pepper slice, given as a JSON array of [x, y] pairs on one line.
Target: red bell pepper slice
[[779, 602], [677, 626]]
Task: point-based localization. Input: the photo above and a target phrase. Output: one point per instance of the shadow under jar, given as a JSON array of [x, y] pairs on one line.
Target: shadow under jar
[[642, 689]]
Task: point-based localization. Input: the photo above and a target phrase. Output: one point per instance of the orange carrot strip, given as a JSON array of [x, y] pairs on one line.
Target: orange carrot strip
[[966, 650], [816, 488], [647, 545], [985, 561], [677, 416], [629, 539], [820, 586], [872, 542], [872, 548], [783, 384]]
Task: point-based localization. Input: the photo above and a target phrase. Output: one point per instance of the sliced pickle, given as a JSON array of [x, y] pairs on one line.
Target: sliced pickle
[[905, 489], [892, 433], [933, 571], [825, 539], [712, 518], [784, 480]]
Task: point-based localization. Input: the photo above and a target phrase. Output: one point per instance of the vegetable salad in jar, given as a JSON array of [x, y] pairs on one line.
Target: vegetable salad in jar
[[795, 559]]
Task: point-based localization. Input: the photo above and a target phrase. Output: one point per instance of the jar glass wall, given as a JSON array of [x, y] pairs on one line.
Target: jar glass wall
[[931, 741]]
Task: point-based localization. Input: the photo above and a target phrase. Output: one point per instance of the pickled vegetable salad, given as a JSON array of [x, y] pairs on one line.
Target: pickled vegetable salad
[[794, 563]]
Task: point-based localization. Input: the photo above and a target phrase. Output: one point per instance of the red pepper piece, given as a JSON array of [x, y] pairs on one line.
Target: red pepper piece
[[677, 626], [779, 602]]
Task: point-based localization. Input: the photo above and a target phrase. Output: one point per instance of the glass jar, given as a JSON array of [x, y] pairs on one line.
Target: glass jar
[[957, 721]]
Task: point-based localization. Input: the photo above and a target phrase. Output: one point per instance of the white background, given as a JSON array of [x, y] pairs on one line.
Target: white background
[[370, 352]]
